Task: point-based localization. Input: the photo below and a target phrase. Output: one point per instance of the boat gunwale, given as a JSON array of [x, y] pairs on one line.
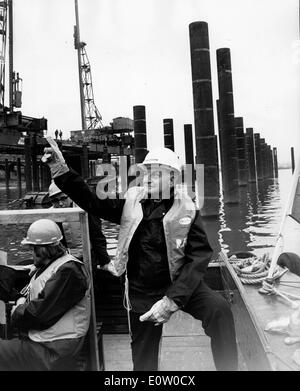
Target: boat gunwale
[[223, 259]]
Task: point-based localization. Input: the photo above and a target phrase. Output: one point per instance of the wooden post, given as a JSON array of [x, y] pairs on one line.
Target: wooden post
[[293, 159], [28, 168], [35, 169], [84, 161], [226, 120], [19, 176], [203, 116], [140, 133], [7, 173], [168, 133]]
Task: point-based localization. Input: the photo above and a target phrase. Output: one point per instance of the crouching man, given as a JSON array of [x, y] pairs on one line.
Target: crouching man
[[53, 314]]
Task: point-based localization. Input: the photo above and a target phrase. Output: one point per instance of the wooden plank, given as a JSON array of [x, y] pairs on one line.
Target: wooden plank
[[86, 249], [117, 352], [192, 353], [27, 216]]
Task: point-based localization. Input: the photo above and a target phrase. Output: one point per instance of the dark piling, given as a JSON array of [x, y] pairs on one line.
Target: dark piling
[[241, 151], [227, 128], [140, 133], [250, 156], [168, 133], [203, 116]]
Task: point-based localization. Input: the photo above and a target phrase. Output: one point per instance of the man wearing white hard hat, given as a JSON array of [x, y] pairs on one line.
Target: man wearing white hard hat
[[162, 256], [53, 310], [72, 230]]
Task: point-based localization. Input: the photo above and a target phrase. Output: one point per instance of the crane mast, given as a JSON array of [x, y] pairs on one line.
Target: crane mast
[[3, 34], [90, 115], [15, 94]]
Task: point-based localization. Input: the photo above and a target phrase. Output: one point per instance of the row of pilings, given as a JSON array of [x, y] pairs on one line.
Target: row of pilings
[[245, 156]]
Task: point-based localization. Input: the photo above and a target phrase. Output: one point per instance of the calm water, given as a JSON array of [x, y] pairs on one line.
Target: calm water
[[251, 225]]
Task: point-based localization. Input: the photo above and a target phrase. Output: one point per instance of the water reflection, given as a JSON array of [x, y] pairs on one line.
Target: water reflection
[[251, 225]]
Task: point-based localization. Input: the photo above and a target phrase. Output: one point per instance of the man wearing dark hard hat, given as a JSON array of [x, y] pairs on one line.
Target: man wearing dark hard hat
[[162, 255], [53, 311]]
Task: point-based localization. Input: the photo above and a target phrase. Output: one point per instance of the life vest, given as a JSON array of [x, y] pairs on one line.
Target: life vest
[[75, 322], [176, 222]]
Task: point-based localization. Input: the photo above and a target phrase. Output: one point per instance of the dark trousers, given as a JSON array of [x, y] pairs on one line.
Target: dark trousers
[[26, 355], [217, 321]]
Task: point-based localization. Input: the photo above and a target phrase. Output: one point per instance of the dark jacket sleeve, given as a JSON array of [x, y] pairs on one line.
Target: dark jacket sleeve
[[75, 187], [198, 253], [98, 241], [61, 292]]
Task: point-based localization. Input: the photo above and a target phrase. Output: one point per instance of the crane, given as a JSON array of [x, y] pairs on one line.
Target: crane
[[90, 115], [15, 94], [3, 33]]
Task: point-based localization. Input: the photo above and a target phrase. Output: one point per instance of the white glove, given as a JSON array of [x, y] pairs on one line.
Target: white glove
[[110, 267], [54, 158], [21, 300], [160, 312]]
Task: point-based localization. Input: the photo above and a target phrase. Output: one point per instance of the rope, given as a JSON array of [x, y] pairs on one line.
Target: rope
[[243, 268], [126, 302]]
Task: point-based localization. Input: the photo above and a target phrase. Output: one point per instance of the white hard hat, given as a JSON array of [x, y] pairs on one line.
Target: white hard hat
[[163, 156], [53, 189], [42, 232]]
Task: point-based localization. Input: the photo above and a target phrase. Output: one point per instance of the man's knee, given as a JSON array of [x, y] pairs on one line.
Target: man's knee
[[217, 309]]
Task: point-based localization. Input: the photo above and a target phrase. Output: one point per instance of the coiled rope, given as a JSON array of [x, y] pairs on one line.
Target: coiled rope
[[254, 270]]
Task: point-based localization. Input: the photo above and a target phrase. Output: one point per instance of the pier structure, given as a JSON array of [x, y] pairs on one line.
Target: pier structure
[[250, 156], [168, 133], [203, 116], [241, 151], [227, 128]]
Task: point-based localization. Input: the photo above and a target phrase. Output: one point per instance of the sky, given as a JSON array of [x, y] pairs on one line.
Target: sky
[[140, 55]]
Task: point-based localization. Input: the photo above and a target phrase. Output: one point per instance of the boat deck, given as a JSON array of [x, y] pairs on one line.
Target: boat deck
[[184, 347], [266, 308]]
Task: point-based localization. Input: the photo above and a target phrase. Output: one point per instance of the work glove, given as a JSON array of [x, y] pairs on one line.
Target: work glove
[[20, 301], [54, 158], [110, 267], [160, 312]]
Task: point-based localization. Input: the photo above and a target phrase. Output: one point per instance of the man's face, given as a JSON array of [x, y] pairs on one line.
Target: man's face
[[60, 200], [39, 258], [159, 180]]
